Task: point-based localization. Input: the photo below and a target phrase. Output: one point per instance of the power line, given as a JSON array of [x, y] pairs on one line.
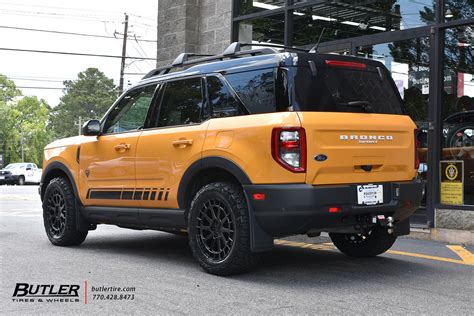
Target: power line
[[70, 53], [143, 51], [54, 7], [69, 33], [40, 80], [107, 12], [79, 17], [38, 77], [29, 87]]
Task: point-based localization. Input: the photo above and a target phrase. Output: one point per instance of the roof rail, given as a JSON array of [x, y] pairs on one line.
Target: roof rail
[[235, 47], [183, 57], [232, 51]]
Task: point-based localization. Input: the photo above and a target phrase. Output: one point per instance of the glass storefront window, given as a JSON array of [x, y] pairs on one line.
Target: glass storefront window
[[408, 62], [265, 30], [252, 6], [458, 9], [344, 19], [457, 168], [347, 18]]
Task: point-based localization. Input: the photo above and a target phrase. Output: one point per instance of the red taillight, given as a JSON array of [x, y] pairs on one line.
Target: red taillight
[[289, 148], [258, 196], [345, 64], [334, 209], [417, 145]]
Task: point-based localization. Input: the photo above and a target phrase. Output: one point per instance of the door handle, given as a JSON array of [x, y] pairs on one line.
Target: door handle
[[182, 143], [122, 147]]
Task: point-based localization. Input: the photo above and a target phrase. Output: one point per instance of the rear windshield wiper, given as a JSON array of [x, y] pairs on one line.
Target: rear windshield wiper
[[358, 104]]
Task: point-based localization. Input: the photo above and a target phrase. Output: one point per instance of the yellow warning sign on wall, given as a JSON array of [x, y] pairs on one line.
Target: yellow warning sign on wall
[[452, 182]]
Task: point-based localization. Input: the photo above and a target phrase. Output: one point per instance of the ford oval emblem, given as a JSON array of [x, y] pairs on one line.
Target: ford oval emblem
[[320, 157]]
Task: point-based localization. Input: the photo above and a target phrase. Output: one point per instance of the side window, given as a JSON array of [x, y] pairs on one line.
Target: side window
[[223, 103], [181, 103], [130, 113], [256, 89]]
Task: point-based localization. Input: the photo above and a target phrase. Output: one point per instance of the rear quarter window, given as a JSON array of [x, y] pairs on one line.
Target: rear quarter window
[[256, 89]]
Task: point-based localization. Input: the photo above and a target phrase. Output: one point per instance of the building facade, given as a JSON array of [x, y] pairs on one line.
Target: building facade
[[426, 44]]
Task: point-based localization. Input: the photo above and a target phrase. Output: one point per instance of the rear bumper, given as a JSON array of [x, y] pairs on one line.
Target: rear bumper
[[290, 209]]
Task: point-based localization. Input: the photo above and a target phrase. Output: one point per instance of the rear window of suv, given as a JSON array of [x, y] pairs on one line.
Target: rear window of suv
[[338, 89]]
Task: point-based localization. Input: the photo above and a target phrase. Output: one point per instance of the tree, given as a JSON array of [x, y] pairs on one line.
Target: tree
[[8, 90], [88, 97], [29, 117]]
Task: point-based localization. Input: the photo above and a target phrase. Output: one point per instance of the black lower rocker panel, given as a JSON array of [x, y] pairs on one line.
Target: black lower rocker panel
[[135, 217]]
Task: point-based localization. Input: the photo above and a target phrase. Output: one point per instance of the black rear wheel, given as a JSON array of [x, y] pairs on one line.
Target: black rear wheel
[[219, 234], [370, 244], [59, 214]]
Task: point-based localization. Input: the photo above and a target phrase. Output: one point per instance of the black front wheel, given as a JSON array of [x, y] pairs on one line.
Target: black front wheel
[[219, 234], [370, 244], [21, 180], [59, 214]]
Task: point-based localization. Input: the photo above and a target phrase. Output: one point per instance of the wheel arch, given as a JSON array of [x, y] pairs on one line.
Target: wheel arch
[[207, 170], [53, 170]]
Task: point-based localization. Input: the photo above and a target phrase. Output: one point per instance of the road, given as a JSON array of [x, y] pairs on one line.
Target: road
[[301, 276]]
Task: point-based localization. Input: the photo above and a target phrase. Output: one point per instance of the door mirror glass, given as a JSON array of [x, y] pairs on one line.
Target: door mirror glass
[[91, 128]]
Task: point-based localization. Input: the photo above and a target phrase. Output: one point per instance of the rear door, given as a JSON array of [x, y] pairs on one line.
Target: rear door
[[355, 126], [166, 151]]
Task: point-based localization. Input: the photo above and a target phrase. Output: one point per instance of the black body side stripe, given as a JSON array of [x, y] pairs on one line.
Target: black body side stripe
[[129, 194]]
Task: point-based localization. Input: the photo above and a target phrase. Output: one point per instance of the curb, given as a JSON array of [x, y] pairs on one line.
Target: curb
[[453, 236]]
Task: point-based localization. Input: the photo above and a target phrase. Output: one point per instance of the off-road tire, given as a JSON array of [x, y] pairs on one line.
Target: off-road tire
[[59, 202], [239, 258], [375, 243], [21, 180]]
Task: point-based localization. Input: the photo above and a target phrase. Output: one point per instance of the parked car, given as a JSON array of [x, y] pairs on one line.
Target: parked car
[[20, 173], [239, 149]]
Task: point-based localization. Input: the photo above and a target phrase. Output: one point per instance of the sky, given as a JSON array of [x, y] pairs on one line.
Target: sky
[[86, 16]]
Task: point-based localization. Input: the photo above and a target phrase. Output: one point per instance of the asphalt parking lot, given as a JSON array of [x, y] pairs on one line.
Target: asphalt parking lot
[[301, 276]]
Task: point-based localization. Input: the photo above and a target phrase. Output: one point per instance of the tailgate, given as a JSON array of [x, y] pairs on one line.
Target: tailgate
[[358, 147]]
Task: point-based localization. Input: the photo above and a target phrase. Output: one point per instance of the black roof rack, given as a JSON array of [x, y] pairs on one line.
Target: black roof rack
[[232, 51]]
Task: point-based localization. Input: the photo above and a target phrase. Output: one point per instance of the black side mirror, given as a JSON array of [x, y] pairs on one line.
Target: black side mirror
[[28, 168], [91, 128]]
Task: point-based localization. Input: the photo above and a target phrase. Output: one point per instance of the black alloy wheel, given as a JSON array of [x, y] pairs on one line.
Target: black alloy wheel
[[216, 230], [219, 229], [370, 244], [59, 214], [56, 213]]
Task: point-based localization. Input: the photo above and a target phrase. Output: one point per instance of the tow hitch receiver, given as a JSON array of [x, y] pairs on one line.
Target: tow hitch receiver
[[384, 222]]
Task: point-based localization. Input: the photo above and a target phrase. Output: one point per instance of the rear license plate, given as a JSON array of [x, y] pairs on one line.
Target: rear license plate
[[370, 194], [2, 177]]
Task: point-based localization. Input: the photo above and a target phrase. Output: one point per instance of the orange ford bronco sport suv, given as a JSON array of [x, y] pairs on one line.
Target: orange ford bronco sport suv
[[239, 149]]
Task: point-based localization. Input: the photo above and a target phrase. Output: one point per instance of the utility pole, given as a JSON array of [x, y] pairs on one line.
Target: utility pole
[[79, 125], [157, 30], [22, 150], [124, 53]]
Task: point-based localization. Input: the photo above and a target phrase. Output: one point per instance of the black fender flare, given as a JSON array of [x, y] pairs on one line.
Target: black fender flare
[[56, 165], [205, 163]]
